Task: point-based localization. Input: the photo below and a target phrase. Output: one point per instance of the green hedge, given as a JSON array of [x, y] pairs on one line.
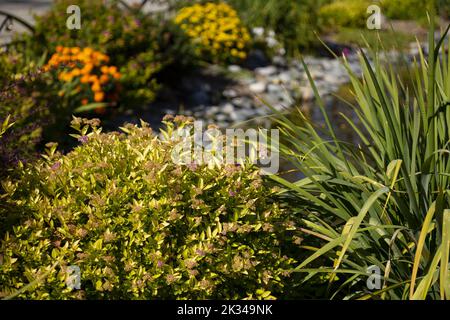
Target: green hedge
[[344, 13], [138, 226], [405, 9], [294, 21]]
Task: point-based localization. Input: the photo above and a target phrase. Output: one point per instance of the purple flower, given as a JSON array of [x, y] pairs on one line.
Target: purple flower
[[160, 264], [56, 165], [192, 166], [200, 252], [231, 193], [346, 51], [83, 139]]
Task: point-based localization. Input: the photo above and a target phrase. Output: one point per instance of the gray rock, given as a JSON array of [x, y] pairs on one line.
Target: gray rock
[[245, 114], [297, 65], [223, 124], [307, 93], [296, 74], [279, 60], [258, 31], [285, 77], [221, 117], [286, 98], [266, 71], [212, 110], [316, 74], [279, 107], [312, 61], [205, 87], [234, 68], [258, 87], [200, 98], [227, 108], [242, 102], [331, 78], [274, 88], [237, 117], [256, 59], [230, 93], [261, 109]]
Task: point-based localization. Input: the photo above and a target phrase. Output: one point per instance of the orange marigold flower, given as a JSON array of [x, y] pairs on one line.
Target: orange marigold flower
[[76, 72], [112, 70], [104, 79], [96, 87], [98, 97], [84, 102], [87, 68], [64, 76], [75, 50], [85, 79], [104, 69], [88, 51], [66, 51]]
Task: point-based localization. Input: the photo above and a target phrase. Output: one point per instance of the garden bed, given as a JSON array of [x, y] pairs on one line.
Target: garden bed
[[109, 191]]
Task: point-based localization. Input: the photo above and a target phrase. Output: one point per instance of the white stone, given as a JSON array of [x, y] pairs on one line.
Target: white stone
[[221, 117], [258, 87], [228, 108], [230, 93], [258, 31], [234, 68], [266, 71], [307, 93], [274, 88], [285, 77]]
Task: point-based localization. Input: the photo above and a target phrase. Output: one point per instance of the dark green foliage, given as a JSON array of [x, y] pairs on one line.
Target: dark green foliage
[[293, 21]]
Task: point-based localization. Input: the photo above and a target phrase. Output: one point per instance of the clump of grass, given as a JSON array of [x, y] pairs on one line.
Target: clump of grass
[[385, 202]]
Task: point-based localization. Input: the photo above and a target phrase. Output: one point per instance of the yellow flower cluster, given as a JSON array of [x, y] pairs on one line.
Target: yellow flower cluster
[[86, 66], [217, 29]]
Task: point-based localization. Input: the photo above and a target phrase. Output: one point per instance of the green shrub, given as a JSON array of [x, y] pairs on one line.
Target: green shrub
[[444, 8], [344, 13], [20, 142], [25, 98], [138, 79], [32, 97], [405, 9], [384, 202], [139, 226], [5, 125]]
